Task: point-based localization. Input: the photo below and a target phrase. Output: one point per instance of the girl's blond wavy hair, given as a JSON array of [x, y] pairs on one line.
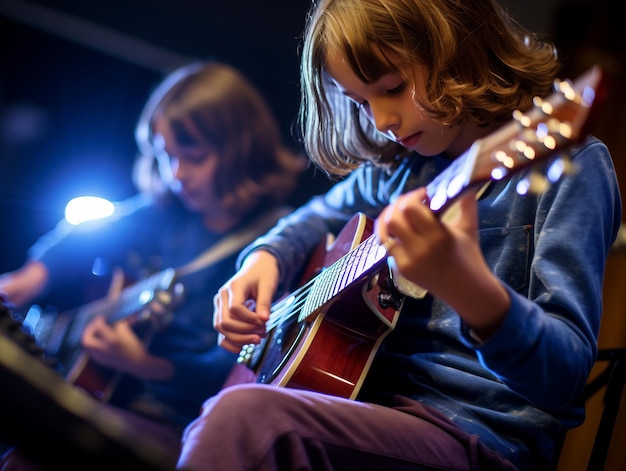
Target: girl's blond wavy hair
[[481, 66]]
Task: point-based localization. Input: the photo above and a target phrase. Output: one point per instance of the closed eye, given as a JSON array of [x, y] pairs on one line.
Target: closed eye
[[398, 89]]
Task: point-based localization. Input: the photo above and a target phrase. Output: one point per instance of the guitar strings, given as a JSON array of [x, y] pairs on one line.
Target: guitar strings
[[290, 305], [286, 308]]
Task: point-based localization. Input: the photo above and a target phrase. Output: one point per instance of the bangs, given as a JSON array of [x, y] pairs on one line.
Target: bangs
[[370, 63], [350, 32]]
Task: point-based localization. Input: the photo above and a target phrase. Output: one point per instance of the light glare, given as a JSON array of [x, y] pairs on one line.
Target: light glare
[[86, 208]]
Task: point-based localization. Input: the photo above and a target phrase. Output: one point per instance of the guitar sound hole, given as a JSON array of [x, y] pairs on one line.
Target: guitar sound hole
[[279, 348]]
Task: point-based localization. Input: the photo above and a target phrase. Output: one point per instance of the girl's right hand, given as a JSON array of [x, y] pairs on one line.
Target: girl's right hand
[[243, 304]]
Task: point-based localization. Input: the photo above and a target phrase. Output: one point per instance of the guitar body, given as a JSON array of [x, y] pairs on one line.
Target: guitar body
[[97, 380], [331, 349]]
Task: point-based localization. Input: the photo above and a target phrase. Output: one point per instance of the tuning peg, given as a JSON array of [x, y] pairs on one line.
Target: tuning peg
[[534, 183], [545, 106], [246, 353], [566, 88]]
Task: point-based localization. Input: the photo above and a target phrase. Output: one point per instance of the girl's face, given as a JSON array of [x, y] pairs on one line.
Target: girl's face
[[393, 106], [188, 170]]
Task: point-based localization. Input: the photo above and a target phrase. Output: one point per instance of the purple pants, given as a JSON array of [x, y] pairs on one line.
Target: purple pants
[[258, 427]]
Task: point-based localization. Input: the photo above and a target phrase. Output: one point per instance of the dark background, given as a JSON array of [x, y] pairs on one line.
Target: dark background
[[74, 75]]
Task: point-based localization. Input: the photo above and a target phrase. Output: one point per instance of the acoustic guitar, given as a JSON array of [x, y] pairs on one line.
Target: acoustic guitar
[[60, 334], [324, 335]]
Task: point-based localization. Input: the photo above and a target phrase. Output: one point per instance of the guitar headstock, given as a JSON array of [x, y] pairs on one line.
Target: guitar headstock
[[552, 126]]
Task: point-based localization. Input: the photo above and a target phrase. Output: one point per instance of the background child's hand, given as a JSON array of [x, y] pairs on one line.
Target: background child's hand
[[116, 346]]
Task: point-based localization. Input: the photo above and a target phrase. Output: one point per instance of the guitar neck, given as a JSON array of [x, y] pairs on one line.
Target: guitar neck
[[131, 300], [70, 325]]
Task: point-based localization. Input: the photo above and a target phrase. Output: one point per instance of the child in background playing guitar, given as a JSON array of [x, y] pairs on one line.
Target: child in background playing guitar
[[483, 372], [212, 164]]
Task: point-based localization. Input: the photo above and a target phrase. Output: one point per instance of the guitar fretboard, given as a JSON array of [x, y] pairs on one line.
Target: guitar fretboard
[[342, 273]]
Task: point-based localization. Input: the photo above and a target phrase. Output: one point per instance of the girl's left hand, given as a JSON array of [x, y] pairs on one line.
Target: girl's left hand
[[443, 255], [427, 250]]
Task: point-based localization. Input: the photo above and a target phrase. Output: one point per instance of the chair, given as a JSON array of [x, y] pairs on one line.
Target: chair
[[613, 376]]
